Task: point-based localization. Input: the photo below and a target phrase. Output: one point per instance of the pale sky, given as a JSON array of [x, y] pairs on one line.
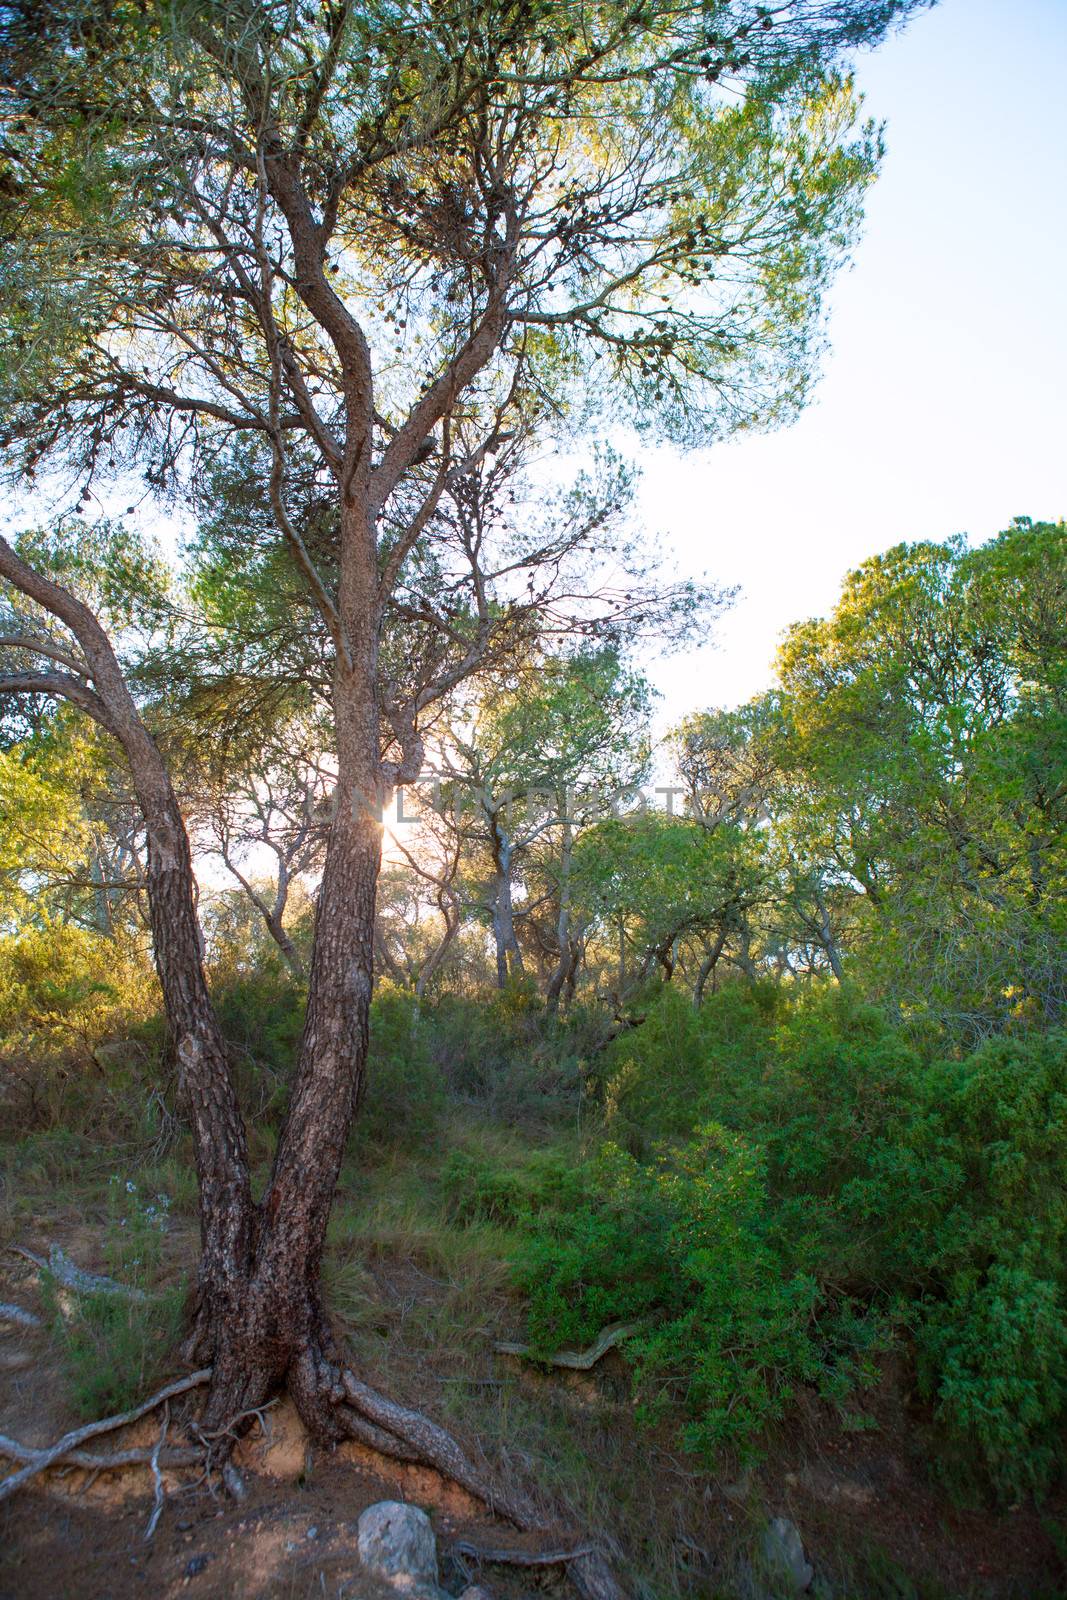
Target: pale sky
[[942, 407]]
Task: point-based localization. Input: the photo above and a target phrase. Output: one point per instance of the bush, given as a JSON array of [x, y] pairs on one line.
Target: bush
[[976, 1240], [842, 1185], [76, 1012], [479, 1189], [993, 1357], [505, 1054], [682, 1247], [261, 1014], [405, 1094]]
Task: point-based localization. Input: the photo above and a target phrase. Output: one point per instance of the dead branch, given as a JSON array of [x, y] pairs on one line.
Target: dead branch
[[575, 1360], [75, 1278], [102, 1461], [157, 1476], [521, 1558]]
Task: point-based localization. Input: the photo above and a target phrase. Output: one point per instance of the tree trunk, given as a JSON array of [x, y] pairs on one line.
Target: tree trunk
[[827, 940], [707, 968], [509, 963], [227, 1222], [283, 1328], [204, 1084], [568, 950], [431, 966]]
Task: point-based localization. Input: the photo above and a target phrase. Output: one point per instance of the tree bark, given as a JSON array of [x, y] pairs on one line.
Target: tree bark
[[567, 964], [205, 1086], [509, 962], [284, 1332]]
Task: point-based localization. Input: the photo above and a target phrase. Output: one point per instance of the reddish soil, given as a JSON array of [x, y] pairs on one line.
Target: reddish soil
[[283, 1541]]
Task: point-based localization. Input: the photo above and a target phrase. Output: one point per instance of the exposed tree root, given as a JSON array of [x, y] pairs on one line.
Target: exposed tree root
[[411, 1436], [334, 1404], [427, 1442], [70, 1442]]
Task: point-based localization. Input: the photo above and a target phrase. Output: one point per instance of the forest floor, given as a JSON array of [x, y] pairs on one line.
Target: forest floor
[[422, 1304]]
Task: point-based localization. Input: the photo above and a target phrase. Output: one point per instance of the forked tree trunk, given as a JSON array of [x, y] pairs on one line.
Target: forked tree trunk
[[282, 1333]]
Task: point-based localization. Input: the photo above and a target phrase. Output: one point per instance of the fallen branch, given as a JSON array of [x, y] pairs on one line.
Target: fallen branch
[[522, 1558], [24, 1319], [75, 1278], [574, 1360], [92, 1430]]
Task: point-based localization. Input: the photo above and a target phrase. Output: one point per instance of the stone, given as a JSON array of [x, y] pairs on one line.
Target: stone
[[475, 1592], [396, 1541], [783, 1558]]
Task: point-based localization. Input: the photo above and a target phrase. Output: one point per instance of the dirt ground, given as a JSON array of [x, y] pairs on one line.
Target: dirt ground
[[283, 1541], [874, 1522]]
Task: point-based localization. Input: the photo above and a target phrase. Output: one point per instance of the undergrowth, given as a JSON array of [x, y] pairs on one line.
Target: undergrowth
[[115, 1345], [774, 1193]]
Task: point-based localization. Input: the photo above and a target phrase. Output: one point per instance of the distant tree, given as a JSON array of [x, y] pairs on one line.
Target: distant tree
[[532, 762], [923, 753], [267, 822]]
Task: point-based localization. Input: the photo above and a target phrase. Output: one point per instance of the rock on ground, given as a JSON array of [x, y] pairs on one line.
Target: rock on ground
[[397, 1542], [784, 1561]]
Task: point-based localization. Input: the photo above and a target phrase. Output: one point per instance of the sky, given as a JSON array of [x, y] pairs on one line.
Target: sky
[[943, 404]]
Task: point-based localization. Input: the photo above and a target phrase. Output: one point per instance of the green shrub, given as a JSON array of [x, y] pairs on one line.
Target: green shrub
[[977, 1242], [685, 1065], [116, 1351], [505, 1054], [75, 1024], [261, 1014], [993, 1357], [843, 1185], [681, 1246], [478, 1189]]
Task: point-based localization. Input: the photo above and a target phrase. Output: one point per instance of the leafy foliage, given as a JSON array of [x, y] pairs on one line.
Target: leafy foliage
[[850, 1193]]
